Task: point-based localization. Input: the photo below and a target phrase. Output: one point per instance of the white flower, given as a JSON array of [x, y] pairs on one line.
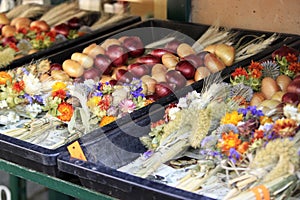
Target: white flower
[[291, 112], [3, 104], [11, 117], [172, 112], [33, 109], [33, 85]]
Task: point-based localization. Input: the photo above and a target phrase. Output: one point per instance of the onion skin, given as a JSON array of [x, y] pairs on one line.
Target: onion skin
[[226, 53], [40, 24], [72, 68], [283, 81], [294, 87], [61, 29], [278, 95], [195, 60], [117, 54], [163, 89], [291, 98], [169, 60], [184, 50], [138, 69], [93, 50], [8, 31], [135, 46], [92, 73], [86, 61], [257, 98], [213, 63], [159, 69], [59, 75], [3, 19], [150, 82], [103, 64], [269, 87], [173, 45], [176, 78], [55, 66], [186, 69], [201, 73], [124, 76], [148, 59], [109, 42], [159, 52]]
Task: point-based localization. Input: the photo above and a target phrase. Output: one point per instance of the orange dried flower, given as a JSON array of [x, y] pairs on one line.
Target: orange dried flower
[[66, 111], [258, 134], [285, 127], [229, 140], [4, 78], [242, 148], [256, 73], [106, 120]]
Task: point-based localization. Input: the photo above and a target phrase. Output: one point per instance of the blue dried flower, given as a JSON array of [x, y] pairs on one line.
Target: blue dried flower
[[234, 155], [148, 154], [39, 99], [28, 98]]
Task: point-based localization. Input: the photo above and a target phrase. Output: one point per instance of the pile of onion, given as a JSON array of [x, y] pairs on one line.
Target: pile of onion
[[162, 70]]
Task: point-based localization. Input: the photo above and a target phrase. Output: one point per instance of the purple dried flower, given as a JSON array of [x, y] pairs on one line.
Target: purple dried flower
[[28, 98], [148, 154], [234, 155]]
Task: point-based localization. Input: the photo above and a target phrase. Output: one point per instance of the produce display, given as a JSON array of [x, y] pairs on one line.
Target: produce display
[[236, 139], [51, 104]]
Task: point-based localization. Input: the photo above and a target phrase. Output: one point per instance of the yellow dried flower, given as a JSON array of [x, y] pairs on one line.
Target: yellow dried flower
[[232, 118], [58, 86], [94, 101]]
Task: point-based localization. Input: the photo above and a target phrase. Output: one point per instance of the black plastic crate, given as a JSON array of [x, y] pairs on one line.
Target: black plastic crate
[[48, 158]]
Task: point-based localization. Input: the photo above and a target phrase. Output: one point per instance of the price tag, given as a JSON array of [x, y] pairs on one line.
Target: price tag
[[4, 190], [75, 151]]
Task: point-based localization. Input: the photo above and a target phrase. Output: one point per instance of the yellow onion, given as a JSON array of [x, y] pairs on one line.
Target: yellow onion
[[283, 81], [184, 49], [257, 98], [201, 73], [213, 63], [226, 53], [269, 87]]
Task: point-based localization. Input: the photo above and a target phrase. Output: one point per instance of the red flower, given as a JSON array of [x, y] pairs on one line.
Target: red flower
[[104, 103], [59, 93], [13, 46], [23, 31], [258, 134], [255, 66], [239, 72], [294, 67], [18, 86], [243, 147], [291, 58]]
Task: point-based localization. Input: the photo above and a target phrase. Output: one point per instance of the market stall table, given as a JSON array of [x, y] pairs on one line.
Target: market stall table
[[19, 174]]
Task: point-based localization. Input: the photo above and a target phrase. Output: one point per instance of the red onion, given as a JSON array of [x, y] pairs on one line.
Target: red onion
[[138, 69], [186, 69], [163, 89], [148, 59], [92, 73], [103, 64], [134, 45], [124, 76], [291, 98], [62, 29], [172, 46], [117, 54], [175, 77], [284, 51], [159, 52]]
